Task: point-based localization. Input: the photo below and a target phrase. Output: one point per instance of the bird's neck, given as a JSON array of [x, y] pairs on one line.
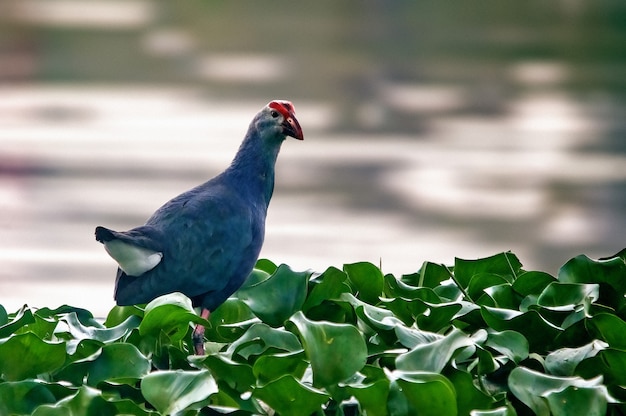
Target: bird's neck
[[252, 169]]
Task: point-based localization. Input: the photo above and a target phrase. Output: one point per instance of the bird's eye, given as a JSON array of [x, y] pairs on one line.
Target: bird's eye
[[274, 113]]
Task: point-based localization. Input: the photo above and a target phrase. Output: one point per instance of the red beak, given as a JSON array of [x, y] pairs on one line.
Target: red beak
[[291, 126]]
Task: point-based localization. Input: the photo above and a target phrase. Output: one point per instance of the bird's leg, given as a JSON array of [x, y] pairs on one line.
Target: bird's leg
[[198, 334]]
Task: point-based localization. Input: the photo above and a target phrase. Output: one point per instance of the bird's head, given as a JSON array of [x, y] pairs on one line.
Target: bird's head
[[279, 116]]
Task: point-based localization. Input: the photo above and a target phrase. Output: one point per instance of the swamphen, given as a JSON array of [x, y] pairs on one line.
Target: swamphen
[[205, 242]]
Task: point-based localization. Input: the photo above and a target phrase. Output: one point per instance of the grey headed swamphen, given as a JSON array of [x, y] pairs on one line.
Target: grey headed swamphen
[[205, 242]]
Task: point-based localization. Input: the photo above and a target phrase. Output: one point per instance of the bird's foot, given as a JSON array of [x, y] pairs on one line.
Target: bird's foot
[[198, 334], [198, 340]]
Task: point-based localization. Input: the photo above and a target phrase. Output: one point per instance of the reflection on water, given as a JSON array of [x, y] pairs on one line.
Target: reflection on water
[[394, 169]]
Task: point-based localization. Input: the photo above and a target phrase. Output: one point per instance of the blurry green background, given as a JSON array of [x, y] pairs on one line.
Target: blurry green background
[[432, 129]]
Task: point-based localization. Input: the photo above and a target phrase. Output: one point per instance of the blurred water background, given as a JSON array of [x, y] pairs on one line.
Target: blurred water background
[[432, 129]]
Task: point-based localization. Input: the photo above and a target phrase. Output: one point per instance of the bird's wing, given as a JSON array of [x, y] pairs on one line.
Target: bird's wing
[[136, 251], [207, 240]]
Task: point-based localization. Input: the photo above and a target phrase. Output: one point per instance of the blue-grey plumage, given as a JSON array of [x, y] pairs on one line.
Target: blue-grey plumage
[[205, 242]]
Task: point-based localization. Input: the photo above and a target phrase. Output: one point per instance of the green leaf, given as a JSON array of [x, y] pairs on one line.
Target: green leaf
[[118, 361], [532, 282], [481, 281], [611, 272], [609, 328], [566, 296], [431, 275], [371, 395], [336, 351], [289, 397], [533, 389], [275, 299], [433, 356], [170, 314], [537, 330], [229, 321], [329, 285], [563, 361], [266, 266], [468, 395], [35, 356], [583, 401], [86, 402], [367, 281], [4, 317], [271, 367], [22, 397], [79, 331], [499, 411], [175, 391], [421, 393], [119, 314], [260, 338], [607, 363], [22, 318], [511, 344], [238, 376], [505, 265]]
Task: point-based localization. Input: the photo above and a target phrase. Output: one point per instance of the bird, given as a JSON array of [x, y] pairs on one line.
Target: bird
[[205, 242]]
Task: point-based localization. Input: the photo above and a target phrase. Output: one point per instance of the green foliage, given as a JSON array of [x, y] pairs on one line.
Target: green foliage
[[482, 338]]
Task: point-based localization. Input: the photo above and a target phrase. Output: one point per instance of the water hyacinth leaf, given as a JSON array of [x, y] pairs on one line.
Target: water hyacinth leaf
[[367, 281], [79, 331], [582, 401], [433, 356], [563, 361], [275, 299], [118, 361], [271, 367], [481, 281], [537, 330], [609, 328], [468, 396], [229, 321], [238, 376], [170, 314], [532, 282], [255, 276], [566, 296], [266, 266], [175, 391], [511, 344], [289, 397], [506, 265], [502, 296], [532, 388], [260, 338], [329, 285], [336, 351], [395, 288], [412, 337], [439, 316], [22, 397], [372, 396], [119, 314], [4, 316], [608, 363], [22, 318], [430, 275], [421, 393], [86, 402], [499, 411], [35, 356], [582, 269]]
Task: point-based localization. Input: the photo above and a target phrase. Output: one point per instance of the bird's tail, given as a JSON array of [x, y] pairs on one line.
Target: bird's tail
[[104, 234]]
